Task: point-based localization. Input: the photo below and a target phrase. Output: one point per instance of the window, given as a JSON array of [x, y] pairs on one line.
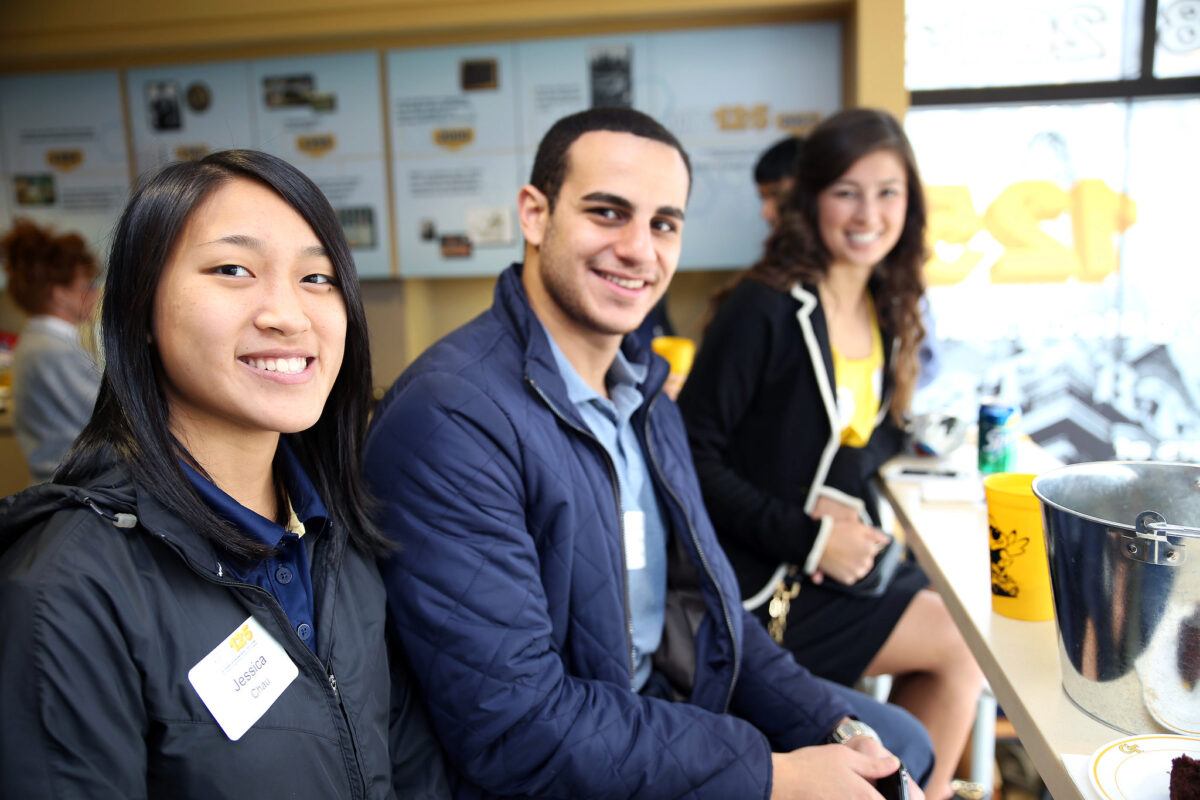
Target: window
[[1059, 177]]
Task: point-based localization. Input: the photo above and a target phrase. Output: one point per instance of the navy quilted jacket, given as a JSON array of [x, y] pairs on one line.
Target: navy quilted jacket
[[510, 596]]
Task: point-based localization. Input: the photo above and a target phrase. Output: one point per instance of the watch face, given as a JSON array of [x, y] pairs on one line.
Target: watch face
[[852, 728]]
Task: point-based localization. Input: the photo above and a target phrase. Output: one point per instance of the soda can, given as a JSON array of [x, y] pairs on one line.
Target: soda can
[[998, 436]]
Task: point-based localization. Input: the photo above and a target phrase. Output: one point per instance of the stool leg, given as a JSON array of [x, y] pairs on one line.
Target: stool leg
[[983, 742], [877, 686]]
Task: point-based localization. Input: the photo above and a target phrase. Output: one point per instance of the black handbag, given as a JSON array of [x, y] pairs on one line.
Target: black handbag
[[873, 584]]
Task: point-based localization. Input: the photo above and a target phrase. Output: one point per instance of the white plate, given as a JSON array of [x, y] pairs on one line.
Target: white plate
[[1139, 767]]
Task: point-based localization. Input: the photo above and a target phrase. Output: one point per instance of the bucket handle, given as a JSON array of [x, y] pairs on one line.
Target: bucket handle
[[1153, 525]]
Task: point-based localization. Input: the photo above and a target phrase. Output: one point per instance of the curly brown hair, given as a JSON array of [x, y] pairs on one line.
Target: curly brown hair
[[795, 251], [36, 259]]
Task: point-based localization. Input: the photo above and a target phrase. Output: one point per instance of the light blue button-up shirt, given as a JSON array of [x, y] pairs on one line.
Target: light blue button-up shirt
[[645, 556]]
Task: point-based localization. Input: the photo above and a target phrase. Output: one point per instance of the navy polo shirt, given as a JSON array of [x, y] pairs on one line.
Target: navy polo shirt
[[285, 575]]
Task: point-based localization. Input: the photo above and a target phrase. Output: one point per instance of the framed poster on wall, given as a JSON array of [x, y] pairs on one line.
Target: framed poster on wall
[[728, 94], [184, 112], [64, 160], [455, 145], [466, 122], [322, 113], [562, 76]]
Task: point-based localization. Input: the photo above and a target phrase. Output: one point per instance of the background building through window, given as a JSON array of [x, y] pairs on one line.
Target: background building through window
[[1057, 141]]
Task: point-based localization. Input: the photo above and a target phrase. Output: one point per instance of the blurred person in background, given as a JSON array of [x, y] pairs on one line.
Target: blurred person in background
[[775, 175], [51, 277]]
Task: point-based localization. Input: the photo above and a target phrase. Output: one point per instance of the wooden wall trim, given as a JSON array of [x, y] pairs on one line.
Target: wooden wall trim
[[79, 34]]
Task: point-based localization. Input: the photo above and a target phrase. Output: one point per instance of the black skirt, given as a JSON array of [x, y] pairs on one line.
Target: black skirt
[[835, 634]]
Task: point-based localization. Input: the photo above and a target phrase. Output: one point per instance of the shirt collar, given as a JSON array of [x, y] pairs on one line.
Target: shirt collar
[[300, 491], [622, 372], [56, 326]]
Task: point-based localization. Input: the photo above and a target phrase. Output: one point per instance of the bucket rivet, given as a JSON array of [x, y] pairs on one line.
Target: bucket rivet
[[1172, 556], [1132, 548]]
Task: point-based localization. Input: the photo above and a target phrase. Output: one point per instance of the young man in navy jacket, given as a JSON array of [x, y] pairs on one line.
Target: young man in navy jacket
[[560, 592]]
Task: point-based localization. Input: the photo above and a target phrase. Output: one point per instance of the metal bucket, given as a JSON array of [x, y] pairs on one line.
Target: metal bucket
[[1123, 543]]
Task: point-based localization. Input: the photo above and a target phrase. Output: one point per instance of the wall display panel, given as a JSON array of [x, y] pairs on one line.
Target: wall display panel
[[728, 95], [455, 139], [952, 45], [185, 112], [5, 216], [1056, 273], [1177, 49], [322, 114], [466, 122], [562, 76], [64, 155], [5, 201]]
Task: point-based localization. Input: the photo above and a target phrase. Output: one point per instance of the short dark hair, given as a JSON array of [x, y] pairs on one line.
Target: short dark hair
[[550, 163], [778, 161], [131, 415]]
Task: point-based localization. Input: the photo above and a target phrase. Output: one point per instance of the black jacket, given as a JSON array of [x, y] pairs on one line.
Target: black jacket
[[100, 624], [761, 417]]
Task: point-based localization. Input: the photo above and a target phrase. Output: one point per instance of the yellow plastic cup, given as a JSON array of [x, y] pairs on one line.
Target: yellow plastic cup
[[1020, 575], [679, 352]]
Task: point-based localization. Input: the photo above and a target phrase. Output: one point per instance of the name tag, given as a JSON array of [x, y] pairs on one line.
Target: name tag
[[242, 677], [635, 540]]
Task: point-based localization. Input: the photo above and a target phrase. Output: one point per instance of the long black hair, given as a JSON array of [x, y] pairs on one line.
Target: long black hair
[[131, 415]]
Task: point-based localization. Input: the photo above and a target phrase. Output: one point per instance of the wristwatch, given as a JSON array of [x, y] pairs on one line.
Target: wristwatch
[[850, 728]]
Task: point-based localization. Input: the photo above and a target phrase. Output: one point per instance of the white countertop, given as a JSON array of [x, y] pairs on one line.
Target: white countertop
[[946, 524]]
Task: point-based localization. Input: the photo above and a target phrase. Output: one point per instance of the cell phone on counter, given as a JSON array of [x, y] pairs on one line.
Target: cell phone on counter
[[894, 786]]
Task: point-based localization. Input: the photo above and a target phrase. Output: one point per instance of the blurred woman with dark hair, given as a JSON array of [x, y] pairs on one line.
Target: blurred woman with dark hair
[[796, 398], [194, 609], [52, 278]]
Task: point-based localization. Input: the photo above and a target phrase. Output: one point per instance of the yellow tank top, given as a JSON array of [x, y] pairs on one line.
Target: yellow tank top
[[859, 388]]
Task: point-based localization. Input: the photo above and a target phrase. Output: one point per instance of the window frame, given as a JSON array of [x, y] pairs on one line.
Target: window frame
[[1144, 86]]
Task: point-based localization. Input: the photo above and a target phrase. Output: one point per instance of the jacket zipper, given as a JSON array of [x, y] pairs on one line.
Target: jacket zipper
[[335, 582], [277, 611], [612, 476], [737, 659], [337, 695]]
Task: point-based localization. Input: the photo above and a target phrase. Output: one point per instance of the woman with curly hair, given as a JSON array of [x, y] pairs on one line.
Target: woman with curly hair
[[797, 396], [52, 278]]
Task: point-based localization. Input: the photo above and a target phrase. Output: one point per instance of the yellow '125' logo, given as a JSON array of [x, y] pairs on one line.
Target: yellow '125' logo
[[241, 638], [1031, 255]]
